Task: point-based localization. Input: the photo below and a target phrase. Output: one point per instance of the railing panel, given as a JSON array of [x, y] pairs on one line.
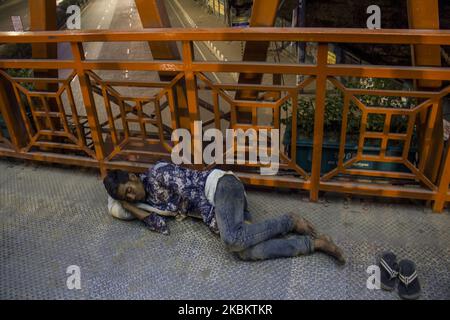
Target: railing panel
[[385, 136], [133, 123], [51, 124], [266, 114]]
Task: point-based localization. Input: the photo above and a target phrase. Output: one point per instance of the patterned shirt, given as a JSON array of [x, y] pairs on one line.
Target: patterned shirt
[[178, 191]]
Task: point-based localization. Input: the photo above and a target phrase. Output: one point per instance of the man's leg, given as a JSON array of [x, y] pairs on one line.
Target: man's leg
[[292, 246], [237, 235]]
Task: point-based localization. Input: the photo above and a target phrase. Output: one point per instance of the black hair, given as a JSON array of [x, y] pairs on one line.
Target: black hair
[[113, 180]]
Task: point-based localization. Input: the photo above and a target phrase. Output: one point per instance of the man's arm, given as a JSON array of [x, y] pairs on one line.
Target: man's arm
[[135, 211], [151, 220]]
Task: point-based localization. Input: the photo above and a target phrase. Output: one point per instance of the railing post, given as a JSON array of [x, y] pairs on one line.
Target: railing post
[[192, 98], [444, 181], [89, 103], [191, 85], [319, 115]]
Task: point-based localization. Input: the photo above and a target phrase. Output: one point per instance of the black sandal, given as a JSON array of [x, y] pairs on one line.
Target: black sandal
[[389, 271], [408, 286]]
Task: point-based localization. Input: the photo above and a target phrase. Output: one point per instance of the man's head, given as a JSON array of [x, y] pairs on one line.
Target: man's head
[[124, 186]]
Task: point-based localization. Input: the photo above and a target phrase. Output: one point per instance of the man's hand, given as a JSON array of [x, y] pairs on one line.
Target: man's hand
[[135, 211]]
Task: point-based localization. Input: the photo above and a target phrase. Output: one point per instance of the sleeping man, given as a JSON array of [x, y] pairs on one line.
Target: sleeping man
[[219, 199]]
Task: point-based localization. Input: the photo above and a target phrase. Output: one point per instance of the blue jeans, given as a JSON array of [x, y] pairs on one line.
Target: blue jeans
[[255, 241]]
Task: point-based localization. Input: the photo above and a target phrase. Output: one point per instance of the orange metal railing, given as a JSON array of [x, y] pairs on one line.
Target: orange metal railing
[[106, 124]]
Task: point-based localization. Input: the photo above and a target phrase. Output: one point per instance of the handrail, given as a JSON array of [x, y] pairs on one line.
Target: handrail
[[330, 35]]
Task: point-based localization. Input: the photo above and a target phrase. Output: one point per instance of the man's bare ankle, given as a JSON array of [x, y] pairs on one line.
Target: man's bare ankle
[[320, 244]]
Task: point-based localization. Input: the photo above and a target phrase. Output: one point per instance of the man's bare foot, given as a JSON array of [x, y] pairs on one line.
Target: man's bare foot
[[326, 245], [303, 226]]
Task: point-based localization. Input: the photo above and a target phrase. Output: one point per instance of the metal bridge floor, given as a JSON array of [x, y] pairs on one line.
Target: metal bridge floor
[[52, 218]]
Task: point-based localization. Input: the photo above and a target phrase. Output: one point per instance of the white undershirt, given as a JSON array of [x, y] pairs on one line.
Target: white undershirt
[[211, 183]]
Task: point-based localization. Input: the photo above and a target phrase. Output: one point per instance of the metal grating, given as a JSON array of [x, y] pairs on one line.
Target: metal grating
[[54, 217]]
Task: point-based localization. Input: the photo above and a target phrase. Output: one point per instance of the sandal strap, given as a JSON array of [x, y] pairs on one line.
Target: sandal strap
[[408, 280], [393, 273]]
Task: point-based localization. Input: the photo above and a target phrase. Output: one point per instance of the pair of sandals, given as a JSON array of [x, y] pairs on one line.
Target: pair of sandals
[[404, 271]]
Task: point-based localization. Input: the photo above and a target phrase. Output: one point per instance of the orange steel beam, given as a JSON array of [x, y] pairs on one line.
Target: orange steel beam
[[153, 14], [425, 15], [264, 13], [43, 18]]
